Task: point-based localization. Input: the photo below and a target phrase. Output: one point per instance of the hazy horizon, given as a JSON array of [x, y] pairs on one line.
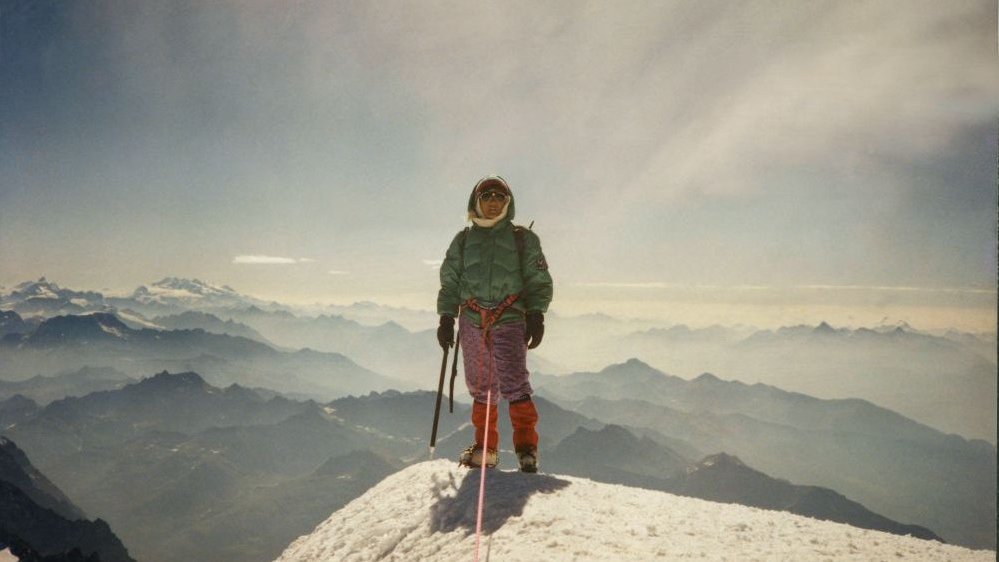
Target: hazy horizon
[[648, 317]]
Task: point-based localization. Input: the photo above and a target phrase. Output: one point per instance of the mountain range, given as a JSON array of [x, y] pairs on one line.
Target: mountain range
[[101, 340], [257, 422], [44, 298], [170, 295], [12, 323], [386, 348], [195, 320], [81, 382], [945, 380], [185, 470], [889, 463], [623, 458], [37, 518], [725, 478]]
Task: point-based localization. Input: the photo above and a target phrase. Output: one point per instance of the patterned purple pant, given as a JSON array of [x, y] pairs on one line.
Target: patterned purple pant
[[509, 361]]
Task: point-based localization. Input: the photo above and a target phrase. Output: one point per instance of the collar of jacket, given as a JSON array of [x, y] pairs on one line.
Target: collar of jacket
[[503, 224], [489, 223]]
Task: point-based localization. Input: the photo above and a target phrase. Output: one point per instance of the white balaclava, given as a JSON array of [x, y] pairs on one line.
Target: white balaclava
[[488, 183]]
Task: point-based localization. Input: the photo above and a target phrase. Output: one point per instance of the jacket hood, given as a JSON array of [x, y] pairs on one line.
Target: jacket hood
[[490, 182]]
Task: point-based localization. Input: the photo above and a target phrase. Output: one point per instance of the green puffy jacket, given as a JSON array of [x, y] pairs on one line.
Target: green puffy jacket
[[489, 269]]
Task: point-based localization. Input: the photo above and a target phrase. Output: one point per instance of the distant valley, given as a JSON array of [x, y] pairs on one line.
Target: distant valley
[[185, 470]]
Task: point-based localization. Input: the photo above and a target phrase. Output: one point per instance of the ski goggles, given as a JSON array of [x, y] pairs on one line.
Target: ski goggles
[[493, 196]]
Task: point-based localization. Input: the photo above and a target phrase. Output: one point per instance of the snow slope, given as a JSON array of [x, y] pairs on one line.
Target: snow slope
[[427, 512]]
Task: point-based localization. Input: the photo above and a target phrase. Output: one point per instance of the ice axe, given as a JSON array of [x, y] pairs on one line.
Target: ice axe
[[437, 406], [440, 393]]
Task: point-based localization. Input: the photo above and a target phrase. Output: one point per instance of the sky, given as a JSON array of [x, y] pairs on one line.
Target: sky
[[761, 162]]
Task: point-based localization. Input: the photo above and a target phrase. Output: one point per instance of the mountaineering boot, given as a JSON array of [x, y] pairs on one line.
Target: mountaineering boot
[[528, 459], [472, 457]]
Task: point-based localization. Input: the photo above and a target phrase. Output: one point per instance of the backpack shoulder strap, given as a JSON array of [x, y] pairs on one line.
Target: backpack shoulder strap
[[518, 240], [464, 235], [519, 233]]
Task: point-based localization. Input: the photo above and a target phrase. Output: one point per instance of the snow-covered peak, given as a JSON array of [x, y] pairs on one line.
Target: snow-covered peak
[[45, 290], [189, 287], [189, 292], [427, 512], [41, 288]]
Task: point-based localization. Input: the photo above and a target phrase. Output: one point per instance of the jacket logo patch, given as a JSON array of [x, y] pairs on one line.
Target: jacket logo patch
[[542, 264]]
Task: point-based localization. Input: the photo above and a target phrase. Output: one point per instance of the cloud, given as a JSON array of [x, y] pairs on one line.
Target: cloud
[[338, 272], [663, 141], [627, 285], [944, 290], [679, 100], [267, 260], [816, 288]]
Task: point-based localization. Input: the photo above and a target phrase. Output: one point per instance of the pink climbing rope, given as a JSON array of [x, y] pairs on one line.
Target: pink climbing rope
[[487, 343], [482, 478]]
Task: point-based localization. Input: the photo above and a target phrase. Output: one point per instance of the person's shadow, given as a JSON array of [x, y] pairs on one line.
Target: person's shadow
[[506, 495]]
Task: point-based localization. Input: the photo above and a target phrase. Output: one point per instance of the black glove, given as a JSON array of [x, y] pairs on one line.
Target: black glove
[[535, 329], [445, 332]]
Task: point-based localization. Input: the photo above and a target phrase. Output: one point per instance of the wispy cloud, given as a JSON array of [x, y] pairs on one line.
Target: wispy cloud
[[954, 290], [662, 285], [654, 285], [338, 272], [268, 260], [625, 285], [813, 148]]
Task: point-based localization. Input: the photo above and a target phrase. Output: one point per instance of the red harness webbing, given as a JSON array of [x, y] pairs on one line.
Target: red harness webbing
[[489, 316]]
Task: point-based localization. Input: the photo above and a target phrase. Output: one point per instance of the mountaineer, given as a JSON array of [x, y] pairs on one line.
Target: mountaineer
[[495, 281]]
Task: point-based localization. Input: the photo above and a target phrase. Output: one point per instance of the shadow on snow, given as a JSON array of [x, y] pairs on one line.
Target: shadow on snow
[[506, 495]]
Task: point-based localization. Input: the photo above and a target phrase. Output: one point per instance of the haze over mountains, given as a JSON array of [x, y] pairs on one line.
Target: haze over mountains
[[889, 463], [242, 422], [184, 470], [101, 340], [944, 380]]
